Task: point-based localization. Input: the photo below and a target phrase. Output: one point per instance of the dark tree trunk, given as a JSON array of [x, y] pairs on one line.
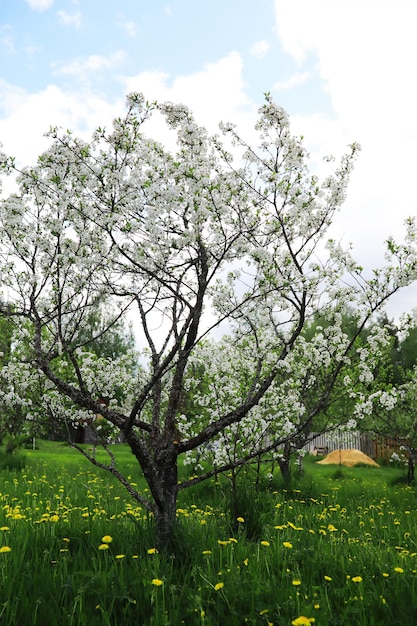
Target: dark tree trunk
[[234, 496], [165, 519], [284, 463], [284, 466], [166, 506], [410, 473], [258, 473]]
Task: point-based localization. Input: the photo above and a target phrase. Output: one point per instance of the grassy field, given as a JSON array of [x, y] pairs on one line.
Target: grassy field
[[338, 547]]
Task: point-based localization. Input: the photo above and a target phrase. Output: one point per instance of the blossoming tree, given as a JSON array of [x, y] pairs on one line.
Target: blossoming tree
[[186, 243]]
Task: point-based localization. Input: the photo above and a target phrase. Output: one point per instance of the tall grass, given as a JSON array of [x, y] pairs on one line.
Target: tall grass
[[338, 546]]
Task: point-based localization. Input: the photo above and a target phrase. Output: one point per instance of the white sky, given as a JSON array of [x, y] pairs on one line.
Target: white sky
[[343, 69]]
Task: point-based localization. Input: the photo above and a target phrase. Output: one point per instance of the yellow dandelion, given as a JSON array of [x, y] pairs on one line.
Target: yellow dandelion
[[5, 549], [120, 556], [296, 583], [265, 543], [399, 570], [357, 579], [218, 586], [206, 552], [157, 582], [4, 528], [303, 621], [240, 520], [385, 574], [103, 546], [245, 562], [287, 544], [153, 551], [327, 578], [107, 539]]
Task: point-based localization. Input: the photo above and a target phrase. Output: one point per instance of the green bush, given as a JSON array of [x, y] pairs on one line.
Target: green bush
[[13, 462]]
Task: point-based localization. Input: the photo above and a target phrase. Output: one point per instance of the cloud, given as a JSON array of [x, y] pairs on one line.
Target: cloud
[[26, 117], [68, 19], [7, 39], [11, 98], [259, 49], [82, 68], [364, 57], [39, 5], [294, 81], [214, 94], [30, 51], [217, 93], [129, 27], [367, 81]]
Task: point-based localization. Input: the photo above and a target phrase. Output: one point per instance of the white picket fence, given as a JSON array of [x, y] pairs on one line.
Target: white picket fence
[[342, 440]]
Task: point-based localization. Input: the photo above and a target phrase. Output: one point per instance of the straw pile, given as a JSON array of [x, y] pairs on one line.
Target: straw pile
[[348, 458]]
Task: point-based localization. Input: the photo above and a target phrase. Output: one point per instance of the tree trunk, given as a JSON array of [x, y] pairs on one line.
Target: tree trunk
[[258, 472], [284, 463], [410, 473], [166, 506], [284, 466], [165, 519], [234, 497]]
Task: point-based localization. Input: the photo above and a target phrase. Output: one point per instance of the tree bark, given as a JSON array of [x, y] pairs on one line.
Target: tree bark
[[284, 463], [166, 506], [410, 473]]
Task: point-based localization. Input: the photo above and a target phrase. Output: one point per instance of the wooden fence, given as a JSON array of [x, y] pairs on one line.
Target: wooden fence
[[385, 446], [375, 446]]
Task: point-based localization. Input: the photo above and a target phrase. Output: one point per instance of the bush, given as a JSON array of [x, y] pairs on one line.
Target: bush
[[12, 462]]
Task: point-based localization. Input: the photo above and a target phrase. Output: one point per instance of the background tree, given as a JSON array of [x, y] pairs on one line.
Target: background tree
[[106, 337], [335, 358], [24, 416], [408, 352], [10, 420], [391, 405], [187, 242]]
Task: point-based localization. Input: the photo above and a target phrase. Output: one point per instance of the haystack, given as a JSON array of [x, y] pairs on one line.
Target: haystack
[[348, 458]]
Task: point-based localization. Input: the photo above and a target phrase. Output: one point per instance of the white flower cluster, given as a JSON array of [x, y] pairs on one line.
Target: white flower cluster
[[398, 459]]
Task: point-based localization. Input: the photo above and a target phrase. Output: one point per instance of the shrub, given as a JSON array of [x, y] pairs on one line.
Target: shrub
[[12, 462]]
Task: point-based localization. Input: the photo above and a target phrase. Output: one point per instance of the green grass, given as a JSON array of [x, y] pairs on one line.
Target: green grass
[[338, 546]]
